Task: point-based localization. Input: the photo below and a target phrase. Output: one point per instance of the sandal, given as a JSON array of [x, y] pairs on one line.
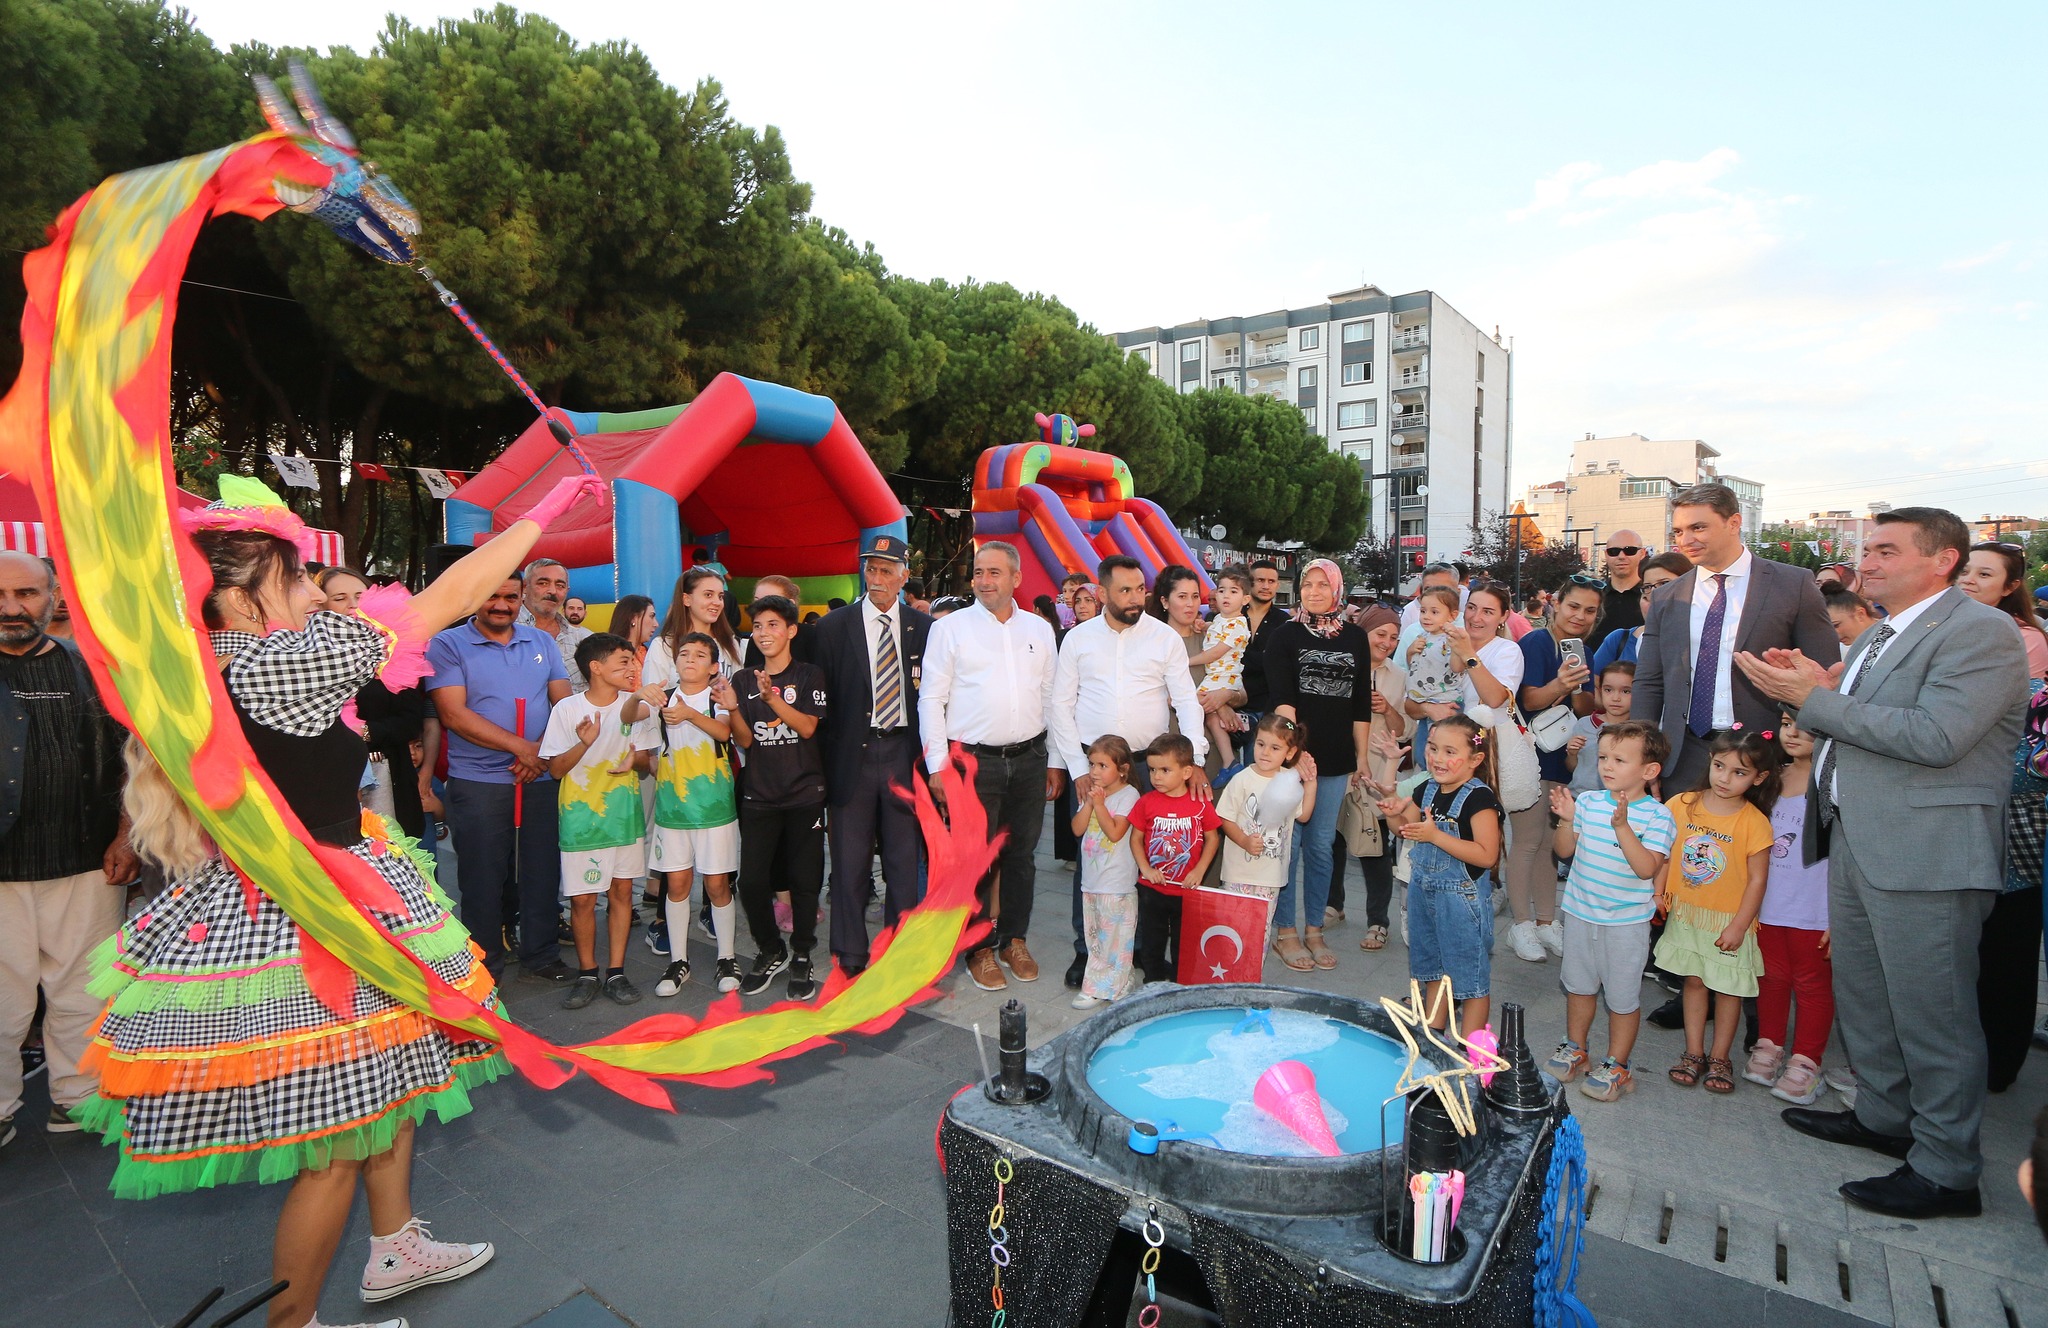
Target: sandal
[[1292, 952], [1323, 955], [1688, 1070], [1720, 1077], [1375, 938]]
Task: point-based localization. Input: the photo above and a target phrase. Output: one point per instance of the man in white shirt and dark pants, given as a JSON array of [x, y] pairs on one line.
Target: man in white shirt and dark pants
[[1121, 672], [988, 672]]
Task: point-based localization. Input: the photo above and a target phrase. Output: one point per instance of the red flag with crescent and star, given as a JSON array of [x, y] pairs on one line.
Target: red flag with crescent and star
[[1222, 937]]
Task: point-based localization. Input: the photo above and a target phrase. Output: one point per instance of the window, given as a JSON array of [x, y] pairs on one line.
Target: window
[[1359, 371], [1357, 332], [1642, 488], [1190, 352], [1227, 382], [1480, 371], [1311, 338], [1480, 409], [1359, 452], [1358, 414], [1308, 416], [1143, 353], [1407, 486], [1307, 376]]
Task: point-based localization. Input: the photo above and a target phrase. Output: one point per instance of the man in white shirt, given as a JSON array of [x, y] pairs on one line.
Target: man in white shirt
[[1121, 672], [547, 597], [988, 673]]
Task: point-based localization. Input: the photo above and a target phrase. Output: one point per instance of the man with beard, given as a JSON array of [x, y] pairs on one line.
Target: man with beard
[[547, 598], [60, 612], [575, 610], [64, 854], [483, 670]]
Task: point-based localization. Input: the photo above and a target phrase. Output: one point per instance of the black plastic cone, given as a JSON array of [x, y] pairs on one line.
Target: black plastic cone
[[1517, 1090]]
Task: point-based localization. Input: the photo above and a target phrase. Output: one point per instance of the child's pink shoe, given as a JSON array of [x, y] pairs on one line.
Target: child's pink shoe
[[408, 1259], [1765, 1060], [785, 920], [1800, 1083]]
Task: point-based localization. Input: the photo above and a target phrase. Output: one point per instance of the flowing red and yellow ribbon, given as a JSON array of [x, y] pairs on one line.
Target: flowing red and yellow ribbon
[[88, 424]]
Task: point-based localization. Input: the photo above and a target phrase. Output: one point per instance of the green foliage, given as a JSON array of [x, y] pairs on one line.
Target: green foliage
[[1494, 551], [1266, 475], [1787, 544]]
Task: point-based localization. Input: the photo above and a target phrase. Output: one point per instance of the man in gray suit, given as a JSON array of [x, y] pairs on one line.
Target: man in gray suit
[[1911, 777], [1732, 600]]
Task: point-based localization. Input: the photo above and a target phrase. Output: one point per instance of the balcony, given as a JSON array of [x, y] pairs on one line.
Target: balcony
[[1411, 422], [1229, 382], [1229, 359], [1410, 338], [1274, 354], [1415, 377], [1413, 502], [1408, 458]]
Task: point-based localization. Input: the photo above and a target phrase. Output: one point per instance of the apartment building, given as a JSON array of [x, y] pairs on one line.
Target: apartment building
[[1406, 384]]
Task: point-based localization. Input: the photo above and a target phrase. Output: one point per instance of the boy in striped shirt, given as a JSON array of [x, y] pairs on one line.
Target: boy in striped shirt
[[1618, 838]]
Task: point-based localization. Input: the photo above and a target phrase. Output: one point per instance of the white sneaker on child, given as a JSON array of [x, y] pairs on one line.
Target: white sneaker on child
[[1552, 935], [1083, 1001], [1522, 937]]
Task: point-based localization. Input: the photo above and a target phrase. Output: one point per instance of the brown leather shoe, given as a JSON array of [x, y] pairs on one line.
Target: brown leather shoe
[[986, 972], [1021, 965]]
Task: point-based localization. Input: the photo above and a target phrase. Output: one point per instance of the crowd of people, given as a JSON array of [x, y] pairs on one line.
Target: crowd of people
[[1812, 806]]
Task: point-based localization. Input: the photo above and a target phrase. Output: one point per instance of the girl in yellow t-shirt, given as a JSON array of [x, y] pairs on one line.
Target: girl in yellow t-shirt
[[1712, 892]]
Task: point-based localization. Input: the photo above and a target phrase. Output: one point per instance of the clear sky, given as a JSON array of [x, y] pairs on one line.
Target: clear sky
[[1810, 234]]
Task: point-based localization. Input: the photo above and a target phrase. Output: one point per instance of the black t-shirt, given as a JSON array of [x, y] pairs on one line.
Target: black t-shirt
[[783, 771], [1480, 799], [1258, 695], [1619, 610], [50, 835], [1328, 681]]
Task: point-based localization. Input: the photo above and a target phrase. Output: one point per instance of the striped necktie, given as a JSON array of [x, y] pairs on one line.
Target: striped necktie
[[888, 711]]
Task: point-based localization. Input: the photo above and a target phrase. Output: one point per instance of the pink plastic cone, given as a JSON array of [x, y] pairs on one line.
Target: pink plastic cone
[[1484, 1040], [1287, 1092]]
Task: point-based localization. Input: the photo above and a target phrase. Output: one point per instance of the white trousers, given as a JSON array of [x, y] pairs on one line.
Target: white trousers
[[47, 931]]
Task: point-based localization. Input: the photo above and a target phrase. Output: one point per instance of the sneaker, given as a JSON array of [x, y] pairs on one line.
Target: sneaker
[[1083, 1001], [766, 966], [1075, 972], [1551, 934], [621, 990], [1522, 937], [728, 974], [1766, 1058], [556, 973], [1016, 956], [6, 1131], [704, 926], [785, 917], [986, 972], [33, 1061], [1610, 1082], [1566, 1062], [1800, 1084], [803, 983], [673, 978], [1842, 1078], [407, 1260], [314, 1322], [581, 993], [657, 936], [60, 1121]]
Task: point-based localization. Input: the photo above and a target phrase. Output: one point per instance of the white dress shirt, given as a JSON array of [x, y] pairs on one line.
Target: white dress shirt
[[1737, 591], [1126, 683], [1898, 622], [870, 618], [985, 681]]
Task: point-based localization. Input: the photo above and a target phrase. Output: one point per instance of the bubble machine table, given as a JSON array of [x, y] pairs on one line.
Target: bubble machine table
[[1124, 1162]]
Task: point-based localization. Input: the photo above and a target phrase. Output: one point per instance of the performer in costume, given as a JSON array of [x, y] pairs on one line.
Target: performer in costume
[[227, 1052]]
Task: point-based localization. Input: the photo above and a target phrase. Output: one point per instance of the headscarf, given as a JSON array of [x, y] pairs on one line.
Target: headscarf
[[1324, 624], [1377, 616]]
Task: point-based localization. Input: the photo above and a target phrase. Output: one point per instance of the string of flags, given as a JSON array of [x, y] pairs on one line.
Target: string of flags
[[1814, 547], [297, 472]]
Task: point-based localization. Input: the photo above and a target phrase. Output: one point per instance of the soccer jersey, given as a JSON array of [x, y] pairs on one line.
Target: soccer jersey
[[1172, 831], [693, 789], [784, 771], [1603, 888], [599, 808]]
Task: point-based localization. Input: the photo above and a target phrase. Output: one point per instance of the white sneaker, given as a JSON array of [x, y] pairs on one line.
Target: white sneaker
[[1083, 1001], [1552, 935], [411, 1259], [387, 1323], [1842, 1078], [1522, 936]]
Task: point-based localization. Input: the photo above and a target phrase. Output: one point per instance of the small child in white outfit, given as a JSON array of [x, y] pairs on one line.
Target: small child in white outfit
[[1109, 874], [1222, 655]]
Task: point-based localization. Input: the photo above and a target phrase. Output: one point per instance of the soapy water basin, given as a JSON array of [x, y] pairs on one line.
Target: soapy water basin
[[1198, 1068]]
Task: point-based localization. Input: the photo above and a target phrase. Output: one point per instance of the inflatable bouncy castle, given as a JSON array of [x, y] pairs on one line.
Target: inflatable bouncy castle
[[756, 476], [1067, 508]]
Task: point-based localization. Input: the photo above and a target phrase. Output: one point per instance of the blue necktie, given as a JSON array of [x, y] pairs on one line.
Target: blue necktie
[[1707, 666]]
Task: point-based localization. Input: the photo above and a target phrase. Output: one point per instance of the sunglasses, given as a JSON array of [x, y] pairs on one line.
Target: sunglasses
[[1588, 580], [1623, 550]]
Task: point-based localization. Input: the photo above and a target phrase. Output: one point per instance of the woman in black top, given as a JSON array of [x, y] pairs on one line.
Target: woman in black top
[[1319, 672]]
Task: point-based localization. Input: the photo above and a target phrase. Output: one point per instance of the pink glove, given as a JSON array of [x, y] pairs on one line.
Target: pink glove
[[564, 496]]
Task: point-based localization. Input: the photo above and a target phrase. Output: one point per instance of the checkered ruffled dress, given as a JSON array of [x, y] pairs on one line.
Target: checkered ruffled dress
[[217, 1063]]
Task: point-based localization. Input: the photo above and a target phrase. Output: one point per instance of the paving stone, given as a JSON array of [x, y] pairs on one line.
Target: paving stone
[[885, 1259], [820, 1099], [104, 1302], [523, 1279], [894, 1160], [584, 1311]]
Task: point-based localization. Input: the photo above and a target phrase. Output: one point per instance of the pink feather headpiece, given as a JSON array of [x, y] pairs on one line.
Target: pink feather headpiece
[[247, 504]]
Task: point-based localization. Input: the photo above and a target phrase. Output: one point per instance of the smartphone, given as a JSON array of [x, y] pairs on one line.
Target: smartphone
[[1574, 651]]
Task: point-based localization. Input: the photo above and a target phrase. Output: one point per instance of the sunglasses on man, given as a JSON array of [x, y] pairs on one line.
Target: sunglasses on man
[[1623, 550]]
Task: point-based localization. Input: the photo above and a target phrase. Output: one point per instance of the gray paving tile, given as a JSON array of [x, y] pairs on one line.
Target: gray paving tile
[[894, 1159], [887, 1263], [1627, 1287], [523, 1280], [62, 1241], [104, 1302], [176, 1247], [820, 1099], [584, 1311], [673, 1247]]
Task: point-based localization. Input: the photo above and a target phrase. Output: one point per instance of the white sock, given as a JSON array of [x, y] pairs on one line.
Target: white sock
[[677, 911], [724, 921]]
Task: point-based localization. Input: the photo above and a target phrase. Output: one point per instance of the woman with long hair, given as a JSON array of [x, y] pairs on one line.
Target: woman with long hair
[[697, 606], [1996, 574], [217, 1061]]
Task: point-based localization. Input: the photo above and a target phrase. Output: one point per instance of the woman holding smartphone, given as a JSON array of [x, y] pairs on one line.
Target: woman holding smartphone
[[1556, 668]]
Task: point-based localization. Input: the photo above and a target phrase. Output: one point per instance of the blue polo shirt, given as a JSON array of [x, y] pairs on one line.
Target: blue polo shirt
[[495, 675]]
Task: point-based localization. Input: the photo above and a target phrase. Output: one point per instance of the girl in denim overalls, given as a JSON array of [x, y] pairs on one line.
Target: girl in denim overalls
[[1450, 876]]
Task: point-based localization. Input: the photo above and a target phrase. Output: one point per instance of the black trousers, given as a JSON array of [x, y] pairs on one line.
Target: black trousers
[[781, 850], [1157, 952], [2006, 959], [1379, 880], [1066, 845], [480, 820], [1011, 790], [874, 813]]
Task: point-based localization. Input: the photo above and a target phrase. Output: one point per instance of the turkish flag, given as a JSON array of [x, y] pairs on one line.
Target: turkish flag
[[1222, 936], [370, 470]]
